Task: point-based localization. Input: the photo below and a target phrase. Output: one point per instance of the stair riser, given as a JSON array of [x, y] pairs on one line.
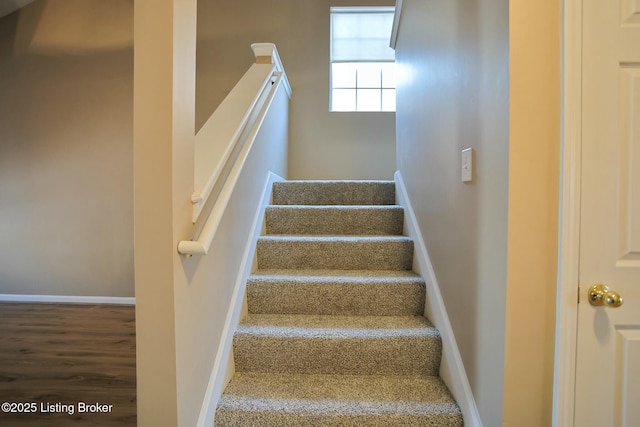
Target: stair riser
[[347, 356], [332, 221], [343, 255], [237, 418], [334, 193], [343, 298]]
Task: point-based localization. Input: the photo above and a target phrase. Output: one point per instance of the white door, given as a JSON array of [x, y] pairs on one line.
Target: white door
[[608, 360]]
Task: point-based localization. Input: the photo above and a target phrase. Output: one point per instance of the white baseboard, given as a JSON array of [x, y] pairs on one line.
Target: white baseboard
[[223, 365], [67, 299], [452, 370]]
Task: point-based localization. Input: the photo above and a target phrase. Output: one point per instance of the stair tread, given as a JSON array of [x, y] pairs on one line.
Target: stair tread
[[344, 252], [336, 292], [334, 238], [336, 275], [356, 395], [334, 192], [332, 326], [336, 181], [331, 344], [337, 207], [334, 220]]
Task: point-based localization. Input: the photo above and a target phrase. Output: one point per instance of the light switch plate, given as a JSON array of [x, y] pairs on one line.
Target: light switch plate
[[467, 165]]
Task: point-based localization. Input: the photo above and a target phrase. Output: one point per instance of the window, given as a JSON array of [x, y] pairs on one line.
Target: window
[[362, 63]]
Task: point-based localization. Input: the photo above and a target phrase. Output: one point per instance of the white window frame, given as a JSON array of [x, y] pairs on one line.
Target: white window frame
[[381, 88]]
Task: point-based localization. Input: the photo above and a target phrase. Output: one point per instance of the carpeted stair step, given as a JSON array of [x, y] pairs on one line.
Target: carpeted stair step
[[291, 400], [337, 220], [339, 292], [334, 193], [335, 334], [350, 345], [335, 252]]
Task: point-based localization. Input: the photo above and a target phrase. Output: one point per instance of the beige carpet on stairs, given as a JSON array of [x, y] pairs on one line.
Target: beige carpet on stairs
[[335, 334]]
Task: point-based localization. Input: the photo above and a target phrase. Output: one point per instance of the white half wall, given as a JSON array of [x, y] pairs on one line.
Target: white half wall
[[209, 293], [182, 302]]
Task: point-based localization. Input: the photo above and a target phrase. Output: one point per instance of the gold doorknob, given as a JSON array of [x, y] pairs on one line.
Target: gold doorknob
[[600, 295]]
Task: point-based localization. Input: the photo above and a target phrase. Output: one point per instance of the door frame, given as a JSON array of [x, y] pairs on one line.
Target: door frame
[[569, 216]]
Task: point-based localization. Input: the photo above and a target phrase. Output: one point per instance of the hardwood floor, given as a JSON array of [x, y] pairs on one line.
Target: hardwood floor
[[64, 358]]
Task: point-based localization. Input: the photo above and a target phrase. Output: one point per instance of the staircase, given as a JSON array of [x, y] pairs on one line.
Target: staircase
[[335, 334]]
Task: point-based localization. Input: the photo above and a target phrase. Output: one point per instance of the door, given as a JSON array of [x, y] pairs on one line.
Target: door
[[608, 361]]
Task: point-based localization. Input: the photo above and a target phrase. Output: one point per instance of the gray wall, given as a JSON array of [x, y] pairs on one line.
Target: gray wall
[[322, 145], [66, 195], [454, 93]]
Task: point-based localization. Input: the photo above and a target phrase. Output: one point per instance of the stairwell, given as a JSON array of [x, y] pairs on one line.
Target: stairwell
[[335, 334]]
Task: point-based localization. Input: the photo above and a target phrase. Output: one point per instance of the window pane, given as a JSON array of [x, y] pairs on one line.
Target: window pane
[[368, 100], [343, 100], [388, 75], [369, 75], [343, 75], [388, 100], [361, 36], [361, 60]]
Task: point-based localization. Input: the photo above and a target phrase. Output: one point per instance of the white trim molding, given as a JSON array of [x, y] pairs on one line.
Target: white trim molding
[[67, 299], [222, 369], [569, 217], [452, 370], [396, 24]]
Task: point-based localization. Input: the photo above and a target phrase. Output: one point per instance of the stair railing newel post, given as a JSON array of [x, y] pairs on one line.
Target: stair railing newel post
[[224, 141], [267, 53]]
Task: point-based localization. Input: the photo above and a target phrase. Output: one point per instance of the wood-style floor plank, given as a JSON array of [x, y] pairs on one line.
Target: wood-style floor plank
[[58, 355]]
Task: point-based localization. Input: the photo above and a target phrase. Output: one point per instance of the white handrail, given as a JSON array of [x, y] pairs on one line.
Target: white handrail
[[226, 172], [199, 197], [219, 137]]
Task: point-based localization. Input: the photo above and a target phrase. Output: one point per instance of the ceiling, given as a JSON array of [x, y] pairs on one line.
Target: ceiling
[[9, 6]]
